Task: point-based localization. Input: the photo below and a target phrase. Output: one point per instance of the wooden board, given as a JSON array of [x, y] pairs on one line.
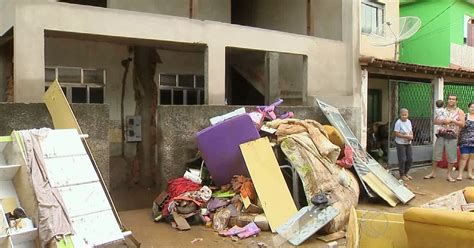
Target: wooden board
[[352, 234], [84, 199], [70, 170], [269, 183], [59, 108], [53, 145], [379, 187], [97, 229]]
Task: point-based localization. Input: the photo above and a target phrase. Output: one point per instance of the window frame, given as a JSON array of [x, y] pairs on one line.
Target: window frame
[[198, 89], [70, 85], [379, 11]]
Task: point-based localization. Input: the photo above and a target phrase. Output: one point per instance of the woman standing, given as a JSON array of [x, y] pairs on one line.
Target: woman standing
[[466, 144]]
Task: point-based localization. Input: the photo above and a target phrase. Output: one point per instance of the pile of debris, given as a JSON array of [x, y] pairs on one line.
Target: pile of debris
[[240, 188]]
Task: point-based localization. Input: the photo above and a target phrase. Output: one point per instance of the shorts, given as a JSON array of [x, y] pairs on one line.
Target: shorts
[[467, 150], [451, 147]]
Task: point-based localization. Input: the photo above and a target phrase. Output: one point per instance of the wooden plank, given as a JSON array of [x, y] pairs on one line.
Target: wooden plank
[[84, 199], [59, 108], [376, 185], [352, 234], [98, 228], [181, 223], [269, 183], [333, 236], [64, 171]]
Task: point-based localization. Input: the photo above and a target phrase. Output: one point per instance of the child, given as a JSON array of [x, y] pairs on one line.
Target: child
[[403, 136], [440, 114]]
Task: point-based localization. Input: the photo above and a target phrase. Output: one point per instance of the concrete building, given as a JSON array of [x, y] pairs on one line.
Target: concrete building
[[420, 78]]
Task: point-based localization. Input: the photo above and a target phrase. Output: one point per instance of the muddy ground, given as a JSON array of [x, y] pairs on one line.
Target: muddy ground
[[134, 206]]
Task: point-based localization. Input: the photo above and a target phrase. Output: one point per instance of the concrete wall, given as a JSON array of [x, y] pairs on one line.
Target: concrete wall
[[367, 48], [382, 84], [178, 125], [164, 7], [92, 119], [3, 74], [92, 54], [214, 10], [327, 21]]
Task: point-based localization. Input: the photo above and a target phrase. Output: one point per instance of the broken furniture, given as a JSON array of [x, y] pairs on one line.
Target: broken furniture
[[442, 222], [219, 146], [15, 193], [269, 183], [364, 163], [426, 227], [380, 229]]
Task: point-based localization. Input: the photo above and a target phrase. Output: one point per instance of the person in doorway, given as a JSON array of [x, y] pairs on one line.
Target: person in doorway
[[403, 133], [466, 144], [447, 137]]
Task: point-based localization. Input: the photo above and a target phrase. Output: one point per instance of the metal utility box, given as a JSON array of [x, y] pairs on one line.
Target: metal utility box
[[133, 130]]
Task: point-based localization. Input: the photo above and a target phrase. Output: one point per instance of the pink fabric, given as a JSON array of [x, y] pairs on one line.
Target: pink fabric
[[176, 187], [348, 160]]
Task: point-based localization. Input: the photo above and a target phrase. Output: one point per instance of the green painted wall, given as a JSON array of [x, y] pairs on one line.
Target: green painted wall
[[457, 20], [442, 24], [430, 45]]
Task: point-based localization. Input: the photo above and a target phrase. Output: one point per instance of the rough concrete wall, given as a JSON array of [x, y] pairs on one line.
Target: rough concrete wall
[[178, 125], [327, 21], [165, 7], [215, 10], [92, 54], [93, 120]]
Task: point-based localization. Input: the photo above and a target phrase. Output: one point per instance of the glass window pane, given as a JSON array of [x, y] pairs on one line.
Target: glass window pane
[[186, 81], [49, 74], [165, 97], [201, 97], [96, 95], [168, 80], [93, 76], [79, 94], [178, 97], [69, 75], [191, 97], [200, 81]]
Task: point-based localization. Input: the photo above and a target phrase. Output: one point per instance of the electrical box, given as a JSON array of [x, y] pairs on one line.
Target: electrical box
[[133, 129]]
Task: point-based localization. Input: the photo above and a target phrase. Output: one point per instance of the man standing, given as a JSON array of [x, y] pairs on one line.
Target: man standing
[[447, 136]]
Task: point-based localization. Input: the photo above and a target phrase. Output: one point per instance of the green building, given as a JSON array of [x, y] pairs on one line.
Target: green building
[[443, 40]]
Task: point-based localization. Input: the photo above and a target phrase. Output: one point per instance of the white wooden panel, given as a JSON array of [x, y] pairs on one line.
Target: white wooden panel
[[24, 236], [7, 172], [63, 171], [61, 143], [7, 189], [84, 199], [3, 223], [96, 229]]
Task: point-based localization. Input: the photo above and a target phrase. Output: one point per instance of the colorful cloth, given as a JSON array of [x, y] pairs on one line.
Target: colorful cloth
[[466, 138], [176, 187]]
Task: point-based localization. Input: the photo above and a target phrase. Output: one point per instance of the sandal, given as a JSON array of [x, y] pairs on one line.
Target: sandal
[[459, 179], [429, 177], [451, 180]]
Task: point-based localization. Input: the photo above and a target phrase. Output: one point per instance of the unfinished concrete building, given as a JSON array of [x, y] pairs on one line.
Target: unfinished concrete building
[[209, 52]]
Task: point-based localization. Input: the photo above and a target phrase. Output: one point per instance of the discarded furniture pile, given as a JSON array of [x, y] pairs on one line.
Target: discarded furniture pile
[[51, 191], [240, 188]]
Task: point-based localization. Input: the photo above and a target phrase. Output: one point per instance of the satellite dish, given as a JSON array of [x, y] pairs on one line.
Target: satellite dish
[[394, 32]]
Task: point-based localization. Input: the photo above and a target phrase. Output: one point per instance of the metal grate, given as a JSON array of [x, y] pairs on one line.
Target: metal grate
[[417, 98], [464, 94]]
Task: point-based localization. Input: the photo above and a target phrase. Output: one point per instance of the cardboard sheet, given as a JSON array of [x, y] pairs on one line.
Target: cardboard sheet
[[379, 187], [269, 183]]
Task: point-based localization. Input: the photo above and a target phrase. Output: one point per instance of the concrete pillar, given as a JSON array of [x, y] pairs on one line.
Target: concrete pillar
[[272, 77], [364, 84], [438, 93], [214, 74], [28, 54]]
